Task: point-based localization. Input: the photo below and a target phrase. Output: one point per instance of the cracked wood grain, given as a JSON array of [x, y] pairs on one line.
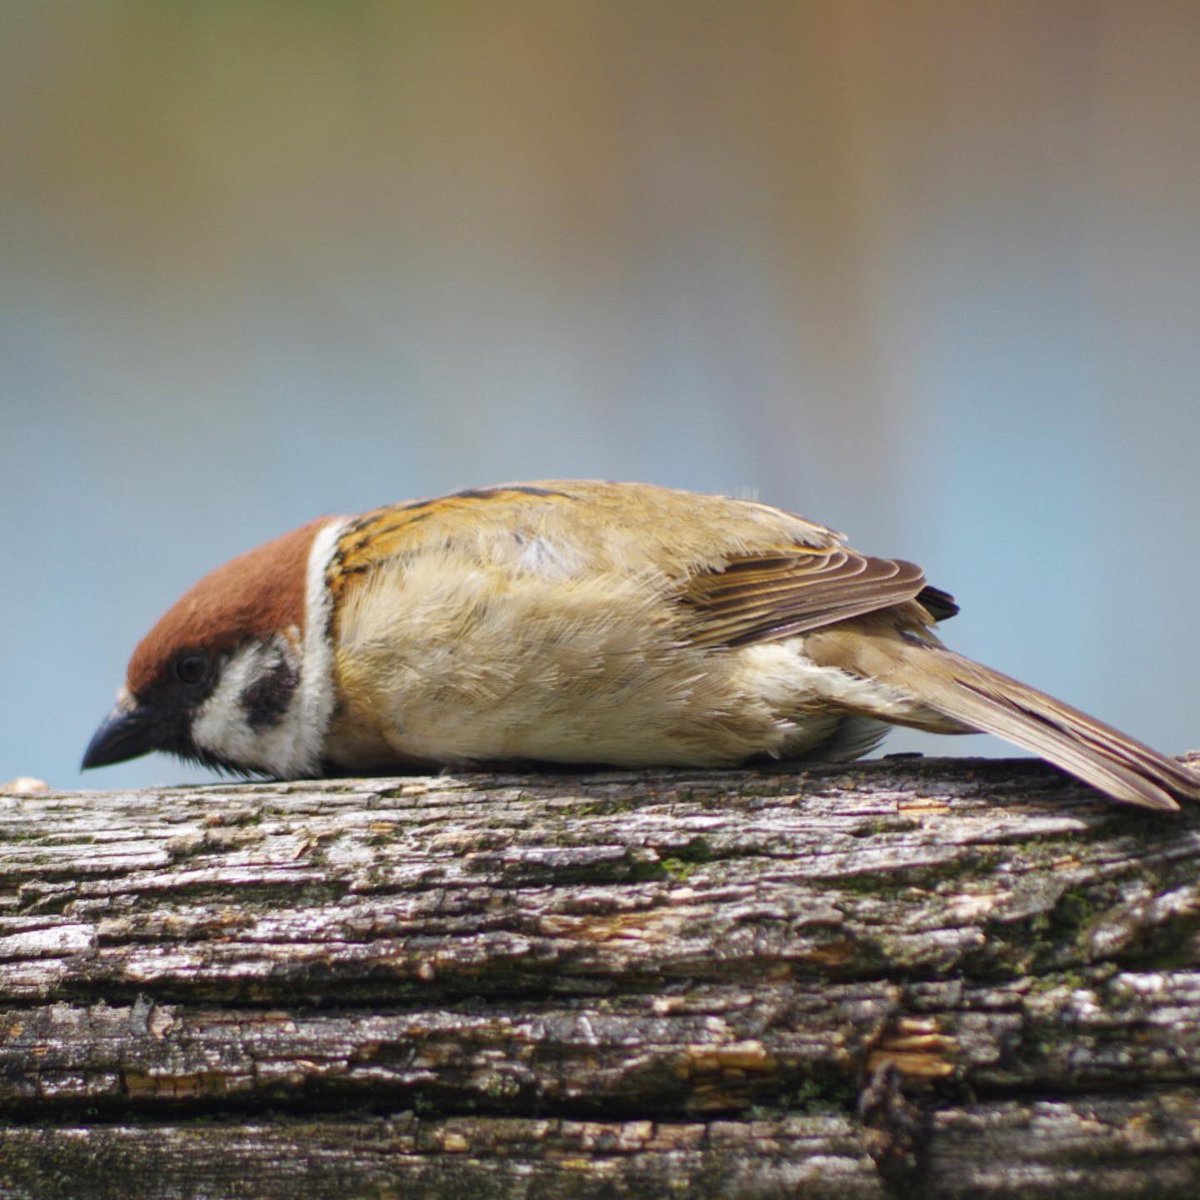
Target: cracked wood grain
[[911, 977]]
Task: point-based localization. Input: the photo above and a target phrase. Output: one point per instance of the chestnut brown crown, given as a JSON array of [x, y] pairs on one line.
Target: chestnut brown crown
[[254, 595]]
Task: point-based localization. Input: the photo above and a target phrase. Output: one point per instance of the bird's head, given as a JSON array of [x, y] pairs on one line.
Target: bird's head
[[236, 675]]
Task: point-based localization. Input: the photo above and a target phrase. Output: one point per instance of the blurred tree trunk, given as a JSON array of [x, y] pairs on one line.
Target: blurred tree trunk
[[934, 978]]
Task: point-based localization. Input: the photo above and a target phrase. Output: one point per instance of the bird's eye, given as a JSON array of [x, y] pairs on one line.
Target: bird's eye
[[192, 668]]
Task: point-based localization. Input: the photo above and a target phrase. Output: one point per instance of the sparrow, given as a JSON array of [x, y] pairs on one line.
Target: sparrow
[[576, 622]]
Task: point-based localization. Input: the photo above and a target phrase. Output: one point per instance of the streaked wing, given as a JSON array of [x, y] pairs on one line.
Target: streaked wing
[[745, 572], [416, 526], [765, 598]]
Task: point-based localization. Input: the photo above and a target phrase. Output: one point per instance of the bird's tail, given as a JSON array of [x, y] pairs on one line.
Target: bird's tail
[[951, 691]]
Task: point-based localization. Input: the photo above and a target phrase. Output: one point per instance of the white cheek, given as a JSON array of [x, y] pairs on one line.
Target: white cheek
[[292, 746], [222, 726]]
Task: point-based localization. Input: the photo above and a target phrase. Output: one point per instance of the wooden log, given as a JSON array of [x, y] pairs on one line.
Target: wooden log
[[935, 978]]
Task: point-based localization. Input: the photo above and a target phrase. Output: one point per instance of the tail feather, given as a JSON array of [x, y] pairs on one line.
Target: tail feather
[[986, 700]]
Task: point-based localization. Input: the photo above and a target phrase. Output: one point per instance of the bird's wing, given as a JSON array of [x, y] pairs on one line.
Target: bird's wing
[[764, 598], [742, 571]]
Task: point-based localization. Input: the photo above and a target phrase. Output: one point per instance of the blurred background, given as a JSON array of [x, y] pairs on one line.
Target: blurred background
[[928, 272]]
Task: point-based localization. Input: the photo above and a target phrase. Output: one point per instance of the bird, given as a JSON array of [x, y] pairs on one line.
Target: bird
[[577, 622]]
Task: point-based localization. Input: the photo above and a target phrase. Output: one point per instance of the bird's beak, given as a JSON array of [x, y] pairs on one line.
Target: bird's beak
[[129, 731]]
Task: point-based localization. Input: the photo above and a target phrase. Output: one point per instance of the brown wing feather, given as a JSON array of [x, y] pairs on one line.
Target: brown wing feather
[[767, 598], [747, 573]]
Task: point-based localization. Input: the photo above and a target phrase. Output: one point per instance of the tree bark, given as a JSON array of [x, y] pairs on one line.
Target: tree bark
[[935, 978]]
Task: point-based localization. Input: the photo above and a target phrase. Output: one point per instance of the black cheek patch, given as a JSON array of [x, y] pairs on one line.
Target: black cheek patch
[[266, 701]]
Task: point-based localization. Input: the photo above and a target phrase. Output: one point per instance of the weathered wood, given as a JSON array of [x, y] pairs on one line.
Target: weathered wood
[[913, 977]]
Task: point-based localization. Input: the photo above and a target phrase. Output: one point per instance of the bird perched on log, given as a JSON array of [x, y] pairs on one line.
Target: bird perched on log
[[576, 622]]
